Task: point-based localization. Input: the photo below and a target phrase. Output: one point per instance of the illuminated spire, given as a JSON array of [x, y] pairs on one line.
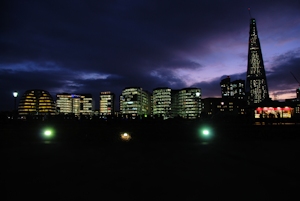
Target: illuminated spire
[[256, 84]]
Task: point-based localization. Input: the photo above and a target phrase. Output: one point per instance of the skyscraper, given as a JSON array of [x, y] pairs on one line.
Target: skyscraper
[[256, 82]]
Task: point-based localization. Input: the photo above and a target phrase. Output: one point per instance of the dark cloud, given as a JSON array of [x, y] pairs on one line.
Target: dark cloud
[[285, 67], [209, 89], [51, 44]]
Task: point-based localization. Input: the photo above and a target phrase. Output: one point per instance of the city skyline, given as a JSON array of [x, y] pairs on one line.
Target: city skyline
[[87, 47]]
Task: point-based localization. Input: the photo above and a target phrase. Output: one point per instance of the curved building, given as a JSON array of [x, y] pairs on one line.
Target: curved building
[[36, 102], [189, 100], [184, 103], [161, 102]]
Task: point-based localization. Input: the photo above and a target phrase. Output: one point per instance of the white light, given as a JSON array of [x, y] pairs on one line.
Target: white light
[[205, 132], [15, 94], [47, 133], [125, 137]]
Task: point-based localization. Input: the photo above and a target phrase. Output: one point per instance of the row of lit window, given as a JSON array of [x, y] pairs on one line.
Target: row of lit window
[[105, 98], [158, 97]]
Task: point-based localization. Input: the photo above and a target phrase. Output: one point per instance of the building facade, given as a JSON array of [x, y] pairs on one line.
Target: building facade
[[189, 103], [66, 103], [256, 82], [184, 103], [36, 102], [234, 89], [134, 102], [161, 102], [86, 104], [74, 104], [239, 89], [107, 103], [220, 107], [226, 88], [175, 107]]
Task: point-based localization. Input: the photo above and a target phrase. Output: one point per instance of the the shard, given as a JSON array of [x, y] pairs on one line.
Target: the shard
[[256, 82]]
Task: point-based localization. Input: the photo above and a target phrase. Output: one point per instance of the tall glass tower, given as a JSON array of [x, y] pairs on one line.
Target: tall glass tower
[[256, 82]]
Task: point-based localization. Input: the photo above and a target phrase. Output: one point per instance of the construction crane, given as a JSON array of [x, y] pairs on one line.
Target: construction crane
[[298, 90], [295, 78]]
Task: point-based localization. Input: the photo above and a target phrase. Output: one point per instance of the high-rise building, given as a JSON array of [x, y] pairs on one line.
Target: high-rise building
[[226, 88], [238, 88], [161, 102], [256, 82], [169, 103], [234, 89], [107, 103], [86, 104], [189, 101], [74, 104], [67, 103], [175, 107], [36, 102], [134, 101]]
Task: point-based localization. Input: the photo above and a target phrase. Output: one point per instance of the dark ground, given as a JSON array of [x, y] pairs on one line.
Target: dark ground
[[239, 163]]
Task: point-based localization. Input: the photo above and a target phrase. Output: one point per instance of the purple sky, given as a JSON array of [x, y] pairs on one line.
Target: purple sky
[[93, 46]]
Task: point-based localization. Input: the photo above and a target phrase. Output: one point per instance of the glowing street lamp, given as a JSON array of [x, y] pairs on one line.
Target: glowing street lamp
[[206, 133], [125, 137], [48, 134], [15, 94]]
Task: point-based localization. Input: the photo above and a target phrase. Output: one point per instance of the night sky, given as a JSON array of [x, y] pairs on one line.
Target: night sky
[[93, 46]]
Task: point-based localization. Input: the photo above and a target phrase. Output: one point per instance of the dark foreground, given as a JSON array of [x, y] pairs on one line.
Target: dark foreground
[[237, 168]]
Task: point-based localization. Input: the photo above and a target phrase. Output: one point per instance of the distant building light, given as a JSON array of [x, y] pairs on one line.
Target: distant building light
[[75, 96]]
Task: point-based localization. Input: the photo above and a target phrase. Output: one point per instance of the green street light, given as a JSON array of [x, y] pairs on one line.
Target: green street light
[[48, 134], [205, 133]]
